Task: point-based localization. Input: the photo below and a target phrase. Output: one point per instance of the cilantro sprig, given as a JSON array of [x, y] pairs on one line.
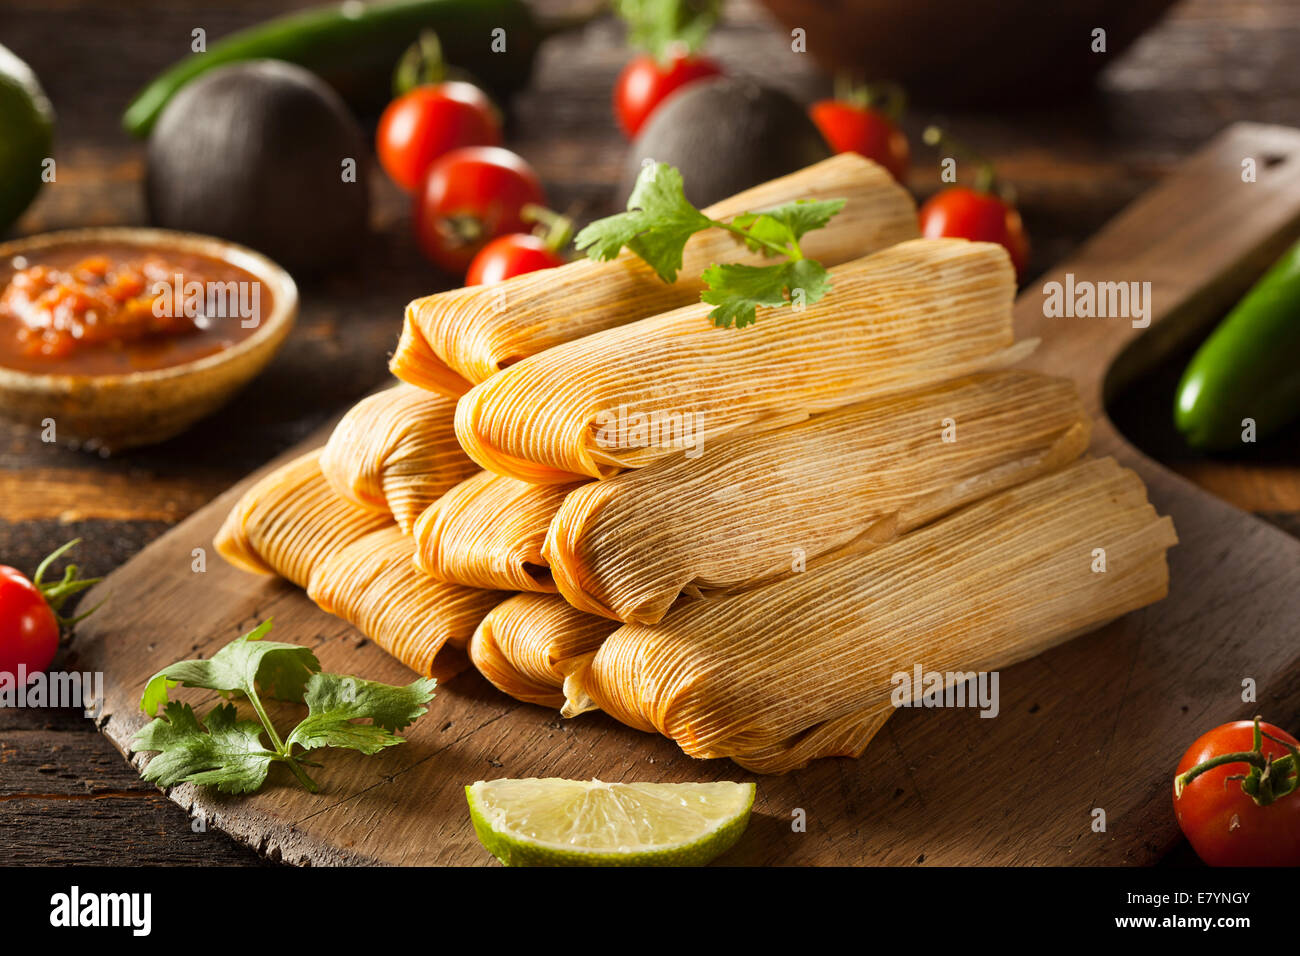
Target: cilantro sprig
[[660, 220], [229, 754], [665, 27]]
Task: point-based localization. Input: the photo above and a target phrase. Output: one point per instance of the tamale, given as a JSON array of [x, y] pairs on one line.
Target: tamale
[[353, 562], [396, 451], [455, 339], [527, 644], [374, 585], [909, 316], [290, 521], [805, 666], [488, 531], [756, 507]]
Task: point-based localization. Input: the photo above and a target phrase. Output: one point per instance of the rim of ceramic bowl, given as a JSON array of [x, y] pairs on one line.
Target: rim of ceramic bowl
[[284, 300]]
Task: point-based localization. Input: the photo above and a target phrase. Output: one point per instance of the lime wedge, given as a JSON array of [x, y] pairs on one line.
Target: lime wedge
[[554, 822]]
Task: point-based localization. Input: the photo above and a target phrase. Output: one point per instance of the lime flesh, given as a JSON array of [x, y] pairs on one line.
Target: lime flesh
[[554, 822]]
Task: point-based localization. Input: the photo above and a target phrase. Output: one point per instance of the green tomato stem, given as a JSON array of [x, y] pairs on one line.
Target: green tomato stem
[[56, 593], [557, 229], [1268, 780], [985, 178], [422, 64], [1244, 756]]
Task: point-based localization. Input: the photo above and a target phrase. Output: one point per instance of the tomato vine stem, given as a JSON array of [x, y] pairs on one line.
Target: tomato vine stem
[[1267, 781]]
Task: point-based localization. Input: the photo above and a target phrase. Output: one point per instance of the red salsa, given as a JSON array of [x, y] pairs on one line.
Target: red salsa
[[103, 310]]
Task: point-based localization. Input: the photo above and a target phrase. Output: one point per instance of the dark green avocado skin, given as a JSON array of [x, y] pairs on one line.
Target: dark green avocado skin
[[725, 135], [255, 153]]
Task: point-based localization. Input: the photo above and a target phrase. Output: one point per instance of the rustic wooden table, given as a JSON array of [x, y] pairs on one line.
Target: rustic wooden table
[[66, 796]]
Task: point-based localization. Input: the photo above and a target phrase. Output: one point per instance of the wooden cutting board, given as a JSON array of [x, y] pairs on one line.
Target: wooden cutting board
[[1097, 724]]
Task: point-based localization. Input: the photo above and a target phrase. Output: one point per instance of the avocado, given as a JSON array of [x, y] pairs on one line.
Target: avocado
[[257, 153], [725, 135], [26, 136]]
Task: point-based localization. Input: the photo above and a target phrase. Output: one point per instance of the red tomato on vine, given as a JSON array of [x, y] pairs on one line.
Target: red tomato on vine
[[978, 213], [30, 622], [1235, 799]]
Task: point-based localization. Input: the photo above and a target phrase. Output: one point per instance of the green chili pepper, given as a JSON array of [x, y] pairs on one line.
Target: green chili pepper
[[355, 46], [1249, 367]]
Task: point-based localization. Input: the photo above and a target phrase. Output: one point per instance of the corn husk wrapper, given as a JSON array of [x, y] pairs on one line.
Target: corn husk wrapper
[[488, 531], [290, 521], [757, 675], [526, 645], [755, 507], [455, 339], [374, 585], [355, 563], [910, 316], [396, 451]]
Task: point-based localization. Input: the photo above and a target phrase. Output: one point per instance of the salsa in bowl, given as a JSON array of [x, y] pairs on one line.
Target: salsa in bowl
[[118, 337]]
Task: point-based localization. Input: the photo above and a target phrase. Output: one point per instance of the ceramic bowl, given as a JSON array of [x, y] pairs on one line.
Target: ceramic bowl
[[949, 53], [108, 413]]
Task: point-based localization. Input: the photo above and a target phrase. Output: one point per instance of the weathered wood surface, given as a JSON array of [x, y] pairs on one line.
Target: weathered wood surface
[[1209, 63], [1101, 720]]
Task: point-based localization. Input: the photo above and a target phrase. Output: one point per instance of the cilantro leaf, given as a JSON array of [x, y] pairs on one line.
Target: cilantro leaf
[[786, 224], [659, 26], [228, 754], [737, 290], [660, 220], [335, 701], [656, 226], [245, 663]]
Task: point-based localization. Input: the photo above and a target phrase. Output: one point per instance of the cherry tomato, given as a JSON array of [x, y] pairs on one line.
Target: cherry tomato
[[1224, 824], [29, 631], [469, 197], [965, 213], [429, 121], [509, 256], [645, 83], [868, 132]]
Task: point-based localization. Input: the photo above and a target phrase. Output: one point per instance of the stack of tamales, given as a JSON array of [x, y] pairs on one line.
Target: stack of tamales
[[732, 537]]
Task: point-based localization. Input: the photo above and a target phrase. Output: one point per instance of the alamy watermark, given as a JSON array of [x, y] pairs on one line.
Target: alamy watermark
[[623, 428], [1084, 299], [59, 689], [75, 908], [922, 688], [208, 300]]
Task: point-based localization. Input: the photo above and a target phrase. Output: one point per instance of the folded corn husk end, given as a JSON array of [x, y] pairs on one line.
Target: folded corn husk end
[[498, 670], [232, 544], [846, 736], [290, 520], [488, 531], [577, 696], [492, 458], [527, 644], [374, 585], [396, 452], [417, 364]]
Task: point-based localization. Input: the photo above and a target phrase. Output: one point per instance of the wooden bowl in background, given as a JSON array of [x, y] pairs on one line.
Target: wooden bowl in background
[[108, 413], [954, 52]]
